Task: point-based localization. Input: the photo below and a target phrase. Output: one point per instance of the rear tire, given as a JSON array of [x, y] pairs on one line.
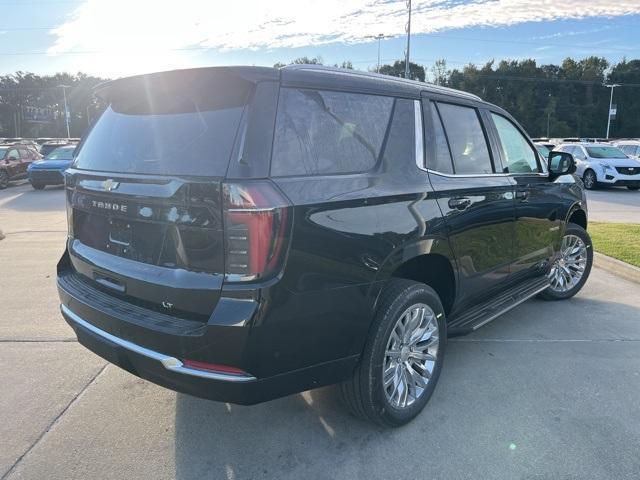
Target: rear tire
[[633, 187], [577, 257], [590, 179], [38, 186], [4, 179], [408, 346]]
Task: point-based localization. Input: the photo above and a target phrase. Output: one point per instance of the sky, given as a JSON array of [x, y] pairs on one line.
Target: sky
[[112, 38]]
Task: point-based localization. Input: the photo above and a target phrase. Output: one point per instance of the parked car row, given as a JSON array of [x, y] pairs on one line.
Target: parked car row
[[600, 162], [20, 160]]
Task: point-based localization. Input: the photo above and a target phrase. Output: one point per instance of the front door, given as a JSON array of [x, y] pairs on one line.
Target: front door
[[538, 227], [477, 204]]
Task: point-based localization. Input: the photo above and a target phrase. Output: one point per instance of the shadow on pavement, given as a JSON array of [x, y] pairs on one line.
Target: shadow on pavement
[[220, 440]]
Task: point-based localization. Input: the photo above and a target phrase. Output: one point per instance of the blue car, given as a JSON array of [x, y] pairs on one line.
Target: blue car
[[50, 170]]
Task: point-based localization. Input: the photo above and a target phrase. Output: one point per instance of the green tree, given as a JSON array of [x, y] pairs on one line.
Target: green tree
[[416, 72]]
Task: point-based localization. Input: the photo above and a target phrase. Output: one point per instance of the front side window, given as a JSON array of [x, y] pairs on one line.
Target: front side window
[[13, 154], [517, 154], [325, 132], [467, 142]]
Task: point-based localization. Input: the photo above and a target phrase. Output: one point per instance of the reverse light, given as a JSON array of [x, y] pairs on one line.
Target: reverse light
[[257, 218]]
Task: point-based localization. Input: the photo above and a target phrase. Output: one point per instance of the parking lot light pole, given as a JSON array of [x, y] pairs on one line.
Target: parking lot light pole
[[611, 86], [378, 37], [66, 110]]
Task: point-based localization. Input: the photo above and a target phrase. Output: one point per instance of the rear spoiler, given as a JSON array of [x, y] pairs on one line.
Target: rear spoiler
[[172, 79]]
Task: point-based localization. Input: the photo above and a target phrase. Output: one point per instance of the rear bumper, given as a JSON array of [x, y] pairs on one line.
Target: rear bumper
[[157, 358], [169, 372]]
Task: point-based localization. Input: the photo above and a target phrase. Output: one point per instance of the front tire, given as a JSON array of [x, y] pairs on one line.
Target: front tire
[[402, 358], [590, 179], [571, 270], [4, 179], [633, 187]]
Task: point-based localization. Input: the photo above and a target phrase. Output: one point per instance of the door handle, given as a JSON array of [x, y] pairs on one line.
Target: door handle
[[459, 203], [522, 194]]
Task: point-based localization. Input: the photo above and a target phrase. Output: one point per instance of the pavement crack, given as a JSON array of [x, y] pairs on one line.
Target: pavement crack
[[55, 421]]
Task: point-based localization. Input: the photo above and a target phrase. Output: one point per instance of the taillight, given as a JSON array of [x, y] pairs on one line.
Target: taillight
[[257, 221]]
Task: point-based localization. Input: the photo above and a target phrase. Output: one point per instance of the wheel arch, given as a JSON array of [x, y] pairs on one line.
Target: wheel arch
[[429, 261], [578, 215]]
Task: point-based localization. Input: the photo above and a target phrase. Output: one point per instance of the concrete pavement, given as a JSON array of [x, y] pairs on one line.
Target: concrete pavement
[[550, 390], [618, 205]]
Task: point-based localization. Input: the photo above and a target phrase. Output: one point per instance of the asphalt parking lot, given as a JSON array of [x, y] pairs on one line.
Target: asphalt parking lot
[[548, 391]]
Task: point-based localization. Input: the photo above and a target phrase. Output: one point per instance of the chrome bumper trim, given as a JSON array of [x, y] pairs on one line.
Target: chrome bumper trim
[[170, 363]]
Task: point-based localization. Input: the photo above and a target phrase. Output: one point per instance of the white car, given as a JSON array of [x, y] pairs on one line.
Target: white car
[[600, 164], [631, 148]]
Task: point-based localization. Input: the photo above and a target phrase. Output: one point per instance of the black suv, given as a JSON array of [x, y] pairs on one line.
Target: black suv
[[245, 233]]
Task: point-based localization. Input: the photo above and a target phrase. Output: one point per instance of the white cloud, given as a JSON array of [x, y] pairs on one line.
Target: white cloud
[[157, 26]]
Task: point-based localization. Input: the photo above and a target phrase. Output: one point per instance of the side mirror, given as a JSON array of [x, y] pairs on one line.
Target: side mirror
[[561, 163]]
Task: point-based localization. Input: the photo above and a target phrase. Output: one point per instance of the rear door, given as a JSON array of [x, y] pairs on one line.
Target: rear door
[[538, 225], [477, 204]]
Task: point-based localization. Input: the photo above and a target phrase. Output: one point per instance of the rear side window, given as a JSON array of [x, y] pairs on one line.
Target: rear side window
[[323, 132], [518, 155], [466, 139]]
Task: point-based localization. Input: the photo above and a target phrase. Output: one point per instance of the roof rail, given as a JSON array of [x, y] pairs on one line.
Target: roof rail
[[379, 76]]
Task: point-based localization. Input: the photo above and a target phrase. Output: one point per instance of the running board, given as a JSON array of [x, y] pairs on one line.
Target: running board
[[469, 320]]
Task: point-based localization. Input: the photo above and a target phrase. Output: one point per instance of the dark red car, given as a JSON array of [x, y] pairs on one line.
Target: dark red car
[[14, 160]]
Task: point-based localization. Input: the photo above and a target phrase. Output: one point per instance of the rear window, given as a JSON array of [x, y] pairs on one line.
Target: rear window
[[322, 132], [154, 128]]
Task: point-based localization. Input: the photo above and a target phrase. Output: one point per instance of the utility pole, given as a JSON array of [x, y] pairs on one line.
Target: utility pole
[[378, 37], [611, 86], [66, 110], [407, 53]]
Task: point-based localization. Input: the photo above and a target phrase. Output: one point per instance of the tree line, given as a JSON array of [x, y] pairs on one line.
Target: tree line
[[563, 100]]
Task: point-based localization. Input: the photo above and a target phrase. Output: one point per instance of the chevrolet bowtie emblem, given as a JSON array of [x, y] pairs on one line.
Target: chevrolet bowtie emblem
[[110, 185]]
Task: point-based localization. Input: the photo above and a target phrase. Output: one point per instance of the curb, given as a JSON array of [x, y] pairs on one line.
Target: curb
[[617, 267]]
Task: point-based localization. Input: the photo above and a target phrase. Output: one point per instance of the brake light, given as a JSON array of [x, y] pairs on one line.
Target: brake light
[[256, 228]]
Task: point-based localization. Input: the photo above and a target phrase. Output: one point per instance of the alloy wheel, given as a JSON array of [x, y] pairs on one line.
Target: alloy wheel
[[410, 356], [568, 269], [589, 180]]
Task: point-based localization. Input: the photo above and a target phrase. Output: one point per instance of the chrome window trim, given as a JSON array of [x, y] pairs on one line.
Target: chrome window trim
[[419, 139], [474, 175], [168, 362]]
